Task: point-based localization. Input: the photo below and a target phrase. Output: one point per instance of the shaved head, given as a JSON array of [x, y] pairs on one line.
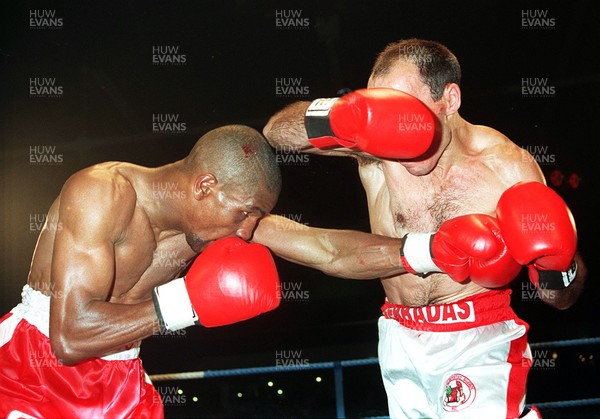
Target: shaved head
[[238, 156]]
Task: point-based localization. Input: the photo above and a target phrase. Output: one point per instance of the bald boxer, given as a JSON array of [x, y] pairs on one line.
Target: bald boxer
[[450, 345], [101, 278]]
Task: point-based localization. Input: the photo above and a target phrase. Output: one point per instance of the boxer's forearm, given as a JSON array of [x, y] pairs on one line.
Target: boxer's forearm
[[102, 328], [340, 253], [286, 131], [360, 255], [286, 128]]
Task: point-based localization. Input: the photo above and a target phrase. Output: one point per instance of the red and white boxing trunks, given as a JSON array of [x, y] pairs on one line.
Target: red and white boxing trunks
[[33, 383], [467, 359]]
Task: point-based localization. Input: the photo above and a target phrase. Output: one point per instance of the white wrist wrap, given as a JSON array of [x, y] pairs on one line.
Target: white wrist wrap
[[320, 107], [417, 252], [173, 305]]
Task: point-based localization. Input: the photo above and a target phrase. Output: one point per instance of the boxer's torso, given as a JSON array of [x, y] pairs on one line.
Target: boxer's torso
[[400, 202], [143, 258]]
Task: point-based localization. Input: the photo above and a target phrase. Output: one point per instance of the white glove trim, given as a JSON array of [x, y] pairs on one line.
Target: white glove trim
[[173, 305], [320, 107], [417, 252]]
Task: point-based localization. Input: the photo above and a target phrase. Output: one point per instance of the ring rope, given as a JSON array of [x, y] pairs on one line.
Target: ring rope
[[261, 370], [192, 375], [569, 342], [569, 403]]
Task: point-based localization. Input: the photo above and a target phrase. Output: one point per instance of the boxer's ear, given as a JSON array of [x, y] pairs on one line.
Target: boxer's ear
[[452, 98], [204, 185]]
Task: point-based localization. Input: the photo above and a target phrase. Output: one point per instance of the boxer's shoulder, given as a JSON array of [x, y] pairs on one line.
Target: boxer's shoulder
[[509, 162], [101, 180], [99, 192], [485, 141], [481, 139]]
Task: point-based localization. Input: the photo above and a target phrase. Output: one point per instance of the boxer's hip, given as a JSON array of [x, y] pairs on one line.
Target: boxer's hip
[[477, 310], [35, 310], [478, 343], [33, 381]]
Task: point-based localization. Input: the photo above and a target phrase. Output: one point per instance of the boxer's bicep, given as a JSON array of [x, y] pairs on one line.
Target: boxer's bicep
[[82, 271], [83, 262], [83, 259]]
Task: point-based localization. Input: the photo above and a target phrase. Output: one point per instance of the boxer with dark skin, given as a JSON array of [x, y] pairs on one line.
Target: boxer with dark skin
[[103, 256], [112, 236]]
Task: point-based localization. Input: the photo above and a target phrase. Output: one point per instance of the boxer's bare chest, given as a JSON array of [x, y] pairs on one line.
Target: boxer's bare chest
[[141, 260], [144, 261], [400, 203]]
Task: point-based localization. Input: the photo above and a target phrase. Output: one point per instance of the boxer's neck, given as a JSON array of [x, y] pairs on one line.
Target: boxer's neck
[[457, 132], [161, 193]]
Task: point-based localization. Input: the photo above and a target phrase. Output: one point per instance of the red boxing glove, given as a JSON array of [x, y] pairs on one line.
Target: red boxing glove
[[469, 246], [383, 122], [230, 281], [540, 232]]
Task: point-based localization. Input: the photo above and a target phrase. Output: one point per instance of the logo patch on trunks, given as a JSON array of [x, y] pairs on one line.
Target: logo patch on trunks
[[460, 393]]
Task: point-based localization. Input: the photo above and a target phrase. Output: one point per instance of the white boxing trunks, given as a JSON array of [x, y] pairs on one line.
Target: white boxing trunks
[[34, 384], [467, 359]]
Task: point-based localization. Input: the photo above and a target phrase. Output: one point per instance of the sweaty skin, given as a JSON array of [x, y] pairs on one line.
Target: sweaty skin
[[110, 238], [465, 171]]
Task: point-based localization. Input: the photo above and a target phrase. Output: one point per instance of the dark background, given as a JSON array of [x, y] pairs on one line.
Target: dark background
[[235, 53]]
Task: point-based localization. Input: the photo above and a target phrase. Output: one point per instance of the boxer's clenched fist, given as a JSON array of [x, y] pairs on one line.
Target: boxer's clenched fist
[[540, 232], [383, 122], [469, 246], [229, 281]]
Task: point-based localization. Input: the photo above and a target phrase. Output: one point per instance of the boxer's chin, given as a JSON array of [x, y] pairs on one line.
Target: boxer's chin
[[195, 242], [417, 168]]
